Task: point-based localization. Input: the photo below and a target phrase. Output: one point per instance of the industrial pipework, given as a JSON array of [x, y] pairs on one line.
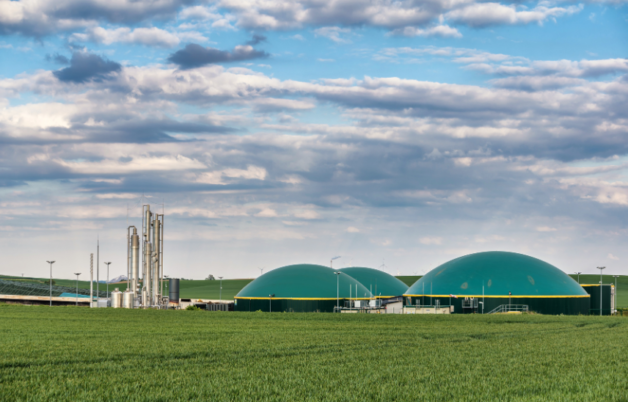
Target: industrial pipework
[[150, 294]]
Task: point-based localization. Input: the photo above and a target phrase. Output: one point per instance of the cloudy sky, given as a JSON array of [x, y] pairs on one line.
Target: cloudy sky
[[396, 134]]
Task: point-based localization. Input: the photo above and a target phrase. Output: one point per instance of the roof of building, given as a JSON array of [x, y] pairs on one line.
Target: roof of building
[[304, 281], [497, 273], [380, 283]]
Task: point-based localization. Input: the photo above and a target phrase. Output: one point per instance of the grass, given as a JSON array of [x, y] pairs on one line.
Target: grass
[[70, 354], [622, 286]]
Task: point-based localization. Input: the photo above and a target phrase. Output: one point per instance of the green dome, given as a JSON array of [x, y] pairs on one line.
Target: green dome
[[303, 281], [381, 283], [499, 272]]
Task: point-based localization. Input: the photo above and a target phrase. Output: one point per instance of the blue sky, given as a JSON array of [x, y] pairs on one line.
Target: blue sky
[[395, 134]]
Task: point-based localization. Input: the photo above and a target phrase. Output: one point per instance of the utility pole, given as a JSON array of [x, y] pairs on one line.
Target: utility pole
[[337, 290], [50, 262], [77, 275], [578, 273], [601, 290], [220, 277]]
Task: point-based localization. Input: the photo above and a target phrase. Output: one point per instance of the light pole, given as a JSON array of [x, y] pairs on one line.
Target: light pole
[[220, 277], [337, 290], [108, 263], [578, 273], [601, 268], [331, 262], [50, 262], [77, 275], [615, 276]]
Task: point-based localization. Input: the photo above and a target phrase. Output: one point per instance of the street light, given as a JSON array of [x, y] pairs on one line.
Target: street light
[[108, 263], [77, 275], [578, 273], [601, 268], [615, 276], [220, 277], [50, 262], [337, 290]]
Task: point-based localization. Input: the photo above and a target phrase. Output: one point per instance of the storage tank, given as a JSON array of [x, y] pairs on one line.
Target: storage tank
[[174, 290], [116, 298], [128, 299]]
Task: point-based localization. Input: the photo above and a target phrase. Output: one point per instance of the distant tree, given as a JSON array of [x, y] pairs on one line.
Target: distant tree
[[210, 278]]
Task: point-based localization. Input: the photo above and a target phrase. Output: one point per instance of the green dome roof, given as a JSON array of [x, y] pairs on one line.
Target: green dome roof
[[303, 281], [499, 272], [381, 283]]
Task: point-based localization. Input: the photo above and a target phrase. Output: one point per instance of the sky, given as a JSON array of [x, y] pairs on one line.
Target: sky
[[395, 134]]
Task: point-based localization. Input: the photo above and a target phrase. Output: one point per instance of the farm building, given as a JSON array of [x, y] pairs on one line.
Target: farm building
[[381, 284], [485, 281], [300, 288]]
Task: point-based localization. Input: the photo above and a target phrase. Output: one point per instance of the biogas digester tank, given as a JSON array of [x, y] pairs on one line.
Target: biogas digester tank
[[481, 282]]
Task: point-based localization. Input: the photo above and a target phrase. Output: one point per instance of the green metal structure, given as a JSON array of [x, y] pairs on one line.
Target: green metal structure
[[299, 288], [481, 282], [381, 284], [594, 291]]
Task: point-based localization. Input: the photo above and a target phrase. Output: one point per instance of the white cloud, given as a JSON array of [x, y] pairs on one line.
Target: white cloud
[[435, 241], [333, 33], [612, 257], [489, 14], [442, 31], [352, 229], [143, 36], [545, 229]]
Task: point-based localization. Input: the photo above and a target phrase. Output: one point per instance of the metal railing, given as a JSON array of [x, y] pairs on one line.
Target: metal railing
[[508, 308]]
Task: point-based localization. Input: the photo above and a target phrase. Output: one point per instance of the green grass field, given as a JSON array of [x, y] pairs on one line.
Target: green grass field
[[77, 354]]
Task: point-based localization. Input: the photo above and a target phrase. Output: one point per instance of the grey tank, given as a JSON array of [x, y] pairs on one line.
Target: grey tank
[[174, 290]]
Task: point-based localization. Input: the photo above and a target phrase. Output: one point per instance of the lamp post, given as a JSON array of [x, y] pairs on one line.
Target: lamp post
[[601, 268], [108, 263], [337, 273], [50, 262], [578, 273], [220, 277], [615, 276], [77, 275]]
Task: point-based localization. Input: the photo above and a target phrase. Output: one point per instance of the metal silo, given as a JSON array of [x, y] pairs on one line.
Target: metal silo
[[116, 298]]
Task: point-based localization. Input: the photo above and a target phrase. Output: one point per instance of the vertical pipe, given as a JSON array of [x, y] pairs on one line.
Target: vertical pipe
[[97, 271], [155, 273], [91, 280], [161, 254], [128, 256], [135, 261]]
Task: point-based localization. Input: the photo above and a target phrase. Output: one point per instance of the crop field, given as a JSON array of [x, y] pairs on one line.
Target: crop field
[[72, 354]]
